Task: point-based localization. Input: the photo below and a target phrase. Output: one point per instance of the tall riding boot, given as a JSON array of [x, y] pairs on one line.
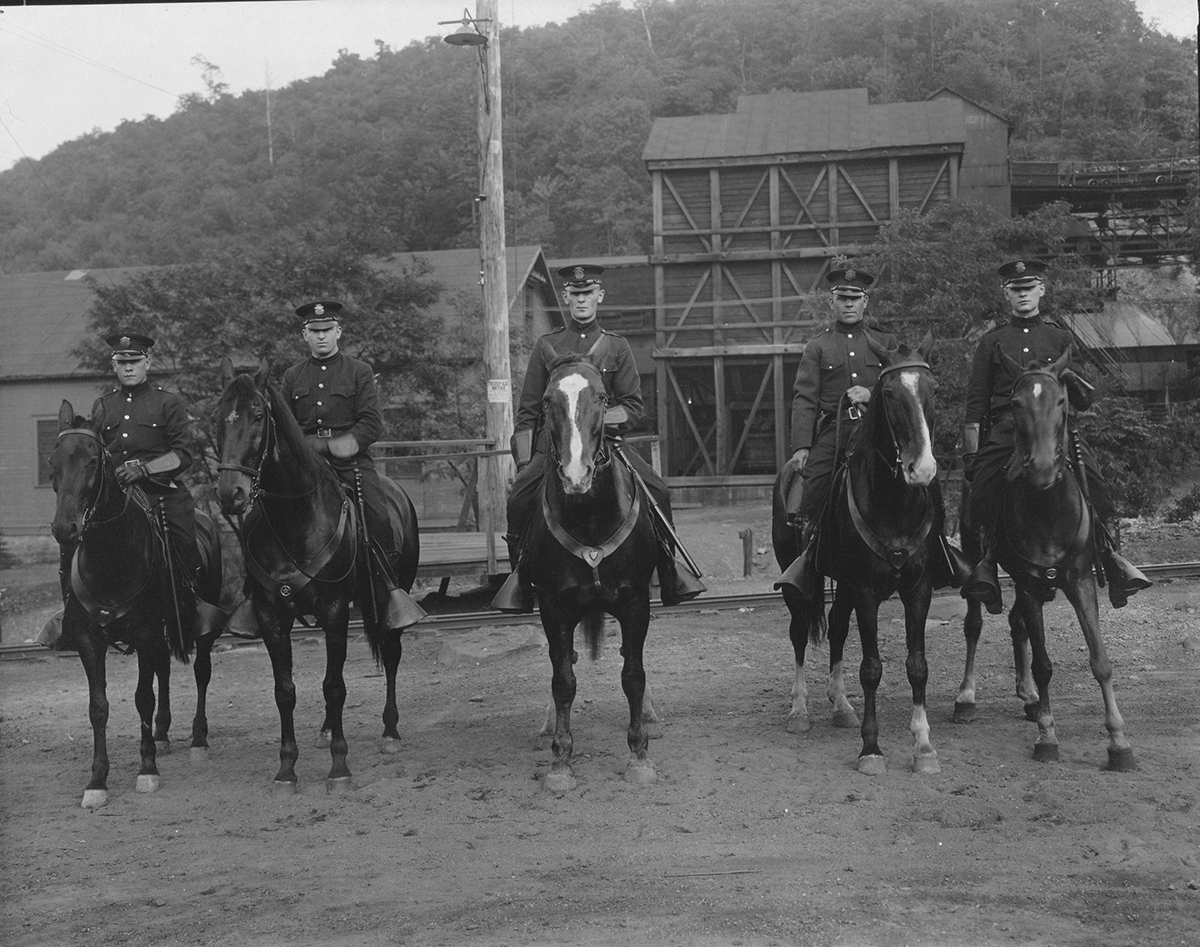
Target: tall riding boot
[[1124, 578], [983, 584], [676, 583]]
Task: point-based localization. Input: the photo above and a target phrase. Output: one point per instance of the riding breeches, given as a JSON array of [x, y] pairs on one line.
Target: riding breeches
[[179, 510], [379, 522], [526, 488], [827, 452]]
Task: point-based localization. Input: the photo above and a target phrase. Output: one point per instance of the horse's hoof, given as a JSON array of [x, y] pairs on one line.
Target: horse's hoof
[[653, 729], [338, 785], [641, 773], [198, 755], [872, 765], [147, 783], [324, 738], [284, 787], [798, 723], [94, 798], [162, 747], [1045, 752], [964, 713], [1031, 712], [1121, 759], [559, 782], [847, 720], [926, 764], [389, 746]]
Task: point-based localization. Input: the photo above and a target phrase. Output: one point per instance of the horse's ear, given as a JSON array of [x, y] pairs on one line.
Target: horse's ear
[[1013, 365], [1061, 363], [886, 356], [926, 347], [225, 372], [98, 416], [66, 416], [263, 376]]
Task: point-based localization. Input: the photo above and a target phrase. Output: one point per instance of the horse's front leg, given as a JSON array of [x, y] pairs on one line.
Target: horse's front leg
[[964, 704], [797, 721], [560, 637], [916, 612], [871, 761], [1045, 748], [276, 627], [1023, 664], [634, 618], [162, 719], [92, 654], [335, 622], [150, 662], [390, 653], [202, 668], [1083, 597], [839, 631]]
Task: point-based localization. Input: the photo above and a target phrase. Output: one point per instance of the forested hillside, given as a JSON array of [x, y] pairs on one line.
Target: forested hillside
[[385, 147]]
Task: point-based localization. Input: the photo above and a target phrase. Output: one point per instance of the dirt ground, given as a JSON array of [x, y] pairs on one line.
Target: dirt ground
[[751, 836]]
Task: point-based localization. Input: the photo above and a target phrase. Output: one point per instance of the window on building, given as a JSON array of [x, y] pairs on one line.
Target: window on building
[[47, 434]]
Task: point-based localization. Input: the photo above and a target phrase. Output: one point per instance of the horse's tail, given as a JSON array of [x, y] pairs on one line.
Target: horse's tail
[[181, 641], [812, 613], [593, 631]]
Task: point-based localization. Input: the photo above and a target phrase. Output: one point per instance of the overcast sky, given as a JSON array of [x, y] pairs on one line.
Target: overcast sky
[[68, 69]]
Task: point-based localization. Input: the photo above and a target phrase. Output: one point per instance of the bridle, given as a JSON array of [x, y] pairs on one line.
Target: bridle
[[1060, 450], [894, 462], [255, 472], [102, 479], [602, 455]]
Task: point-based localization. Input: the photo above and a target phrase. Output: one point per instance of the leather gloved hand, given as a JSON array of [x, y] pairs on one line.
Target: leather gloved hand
[[969, 466], [129, 474], [521, 466], [343, 445]]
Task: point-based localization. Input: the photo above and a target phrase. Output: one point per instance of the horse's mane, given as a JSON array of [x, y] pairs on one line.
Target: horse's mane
[[287, 428], [570, 358]]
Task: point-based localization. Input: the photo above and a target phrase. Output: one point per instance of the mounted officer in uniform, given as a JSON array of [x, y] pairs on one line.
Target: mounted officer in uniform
[[145, 429], [610, 353], [336, 402], [988, 439]]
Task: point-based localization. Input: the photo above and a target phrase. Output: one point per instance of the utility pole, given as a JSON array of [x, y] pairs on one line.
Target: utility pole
[[495, 472]]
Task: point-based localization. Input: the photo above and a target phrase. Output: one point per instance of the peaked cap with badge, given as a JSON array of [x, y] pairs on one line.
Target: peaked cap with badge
[[580, 277], [320, 314], [129, 346], [850, 281], [1020, 273]]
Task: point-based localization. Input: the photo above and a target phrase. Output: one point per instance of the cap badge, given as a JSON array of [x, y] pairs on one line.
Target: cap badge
[[579, 272], [1020, 267], [850, 274], [125, 340], [318, 310]]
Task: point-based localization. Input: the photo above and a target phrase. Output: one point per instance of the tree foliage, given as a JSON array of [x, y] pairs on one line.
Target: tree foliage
[[388, 144]]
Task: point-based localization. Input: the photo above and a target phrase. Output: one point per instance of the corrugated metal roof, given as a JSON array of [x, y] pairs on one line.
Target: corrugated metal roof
[[44, 317], [806, 123], [1119, 325]]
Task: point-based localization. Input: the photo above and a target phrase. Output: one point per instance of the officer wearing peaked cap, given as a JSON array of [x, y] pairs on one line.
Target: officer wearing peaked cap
[[582, 334], [837, 372], [336, 402], [987, 436], [145, 429]]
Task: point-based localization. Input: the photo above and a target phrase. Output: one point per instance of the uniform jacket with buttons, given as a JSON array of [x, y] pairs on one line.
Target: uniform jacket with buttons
[[833, 362], [1022, 340], [339, 394], [611, 354], [142, 422]]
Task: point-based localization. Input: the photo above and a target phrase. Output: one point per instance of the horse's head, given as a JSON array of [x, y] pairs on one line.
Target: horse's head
[[79, 466], [904, 402], [573, 407], [243, 428], [1039, 412]]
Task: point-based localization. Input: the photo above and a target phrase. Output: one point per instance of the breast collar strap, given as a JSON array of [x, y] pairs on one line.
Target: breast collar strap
[[895, 554], [290, 585], [592, 555]]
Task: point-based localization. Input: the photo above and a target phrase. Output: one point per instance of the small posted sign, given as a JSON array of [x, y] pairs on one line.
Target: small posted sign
[[499, 390]]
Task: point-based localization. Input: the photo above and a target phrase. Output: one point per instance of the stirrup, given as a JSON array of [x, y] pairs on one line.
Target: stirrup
[[682, 586], [983, 586], [514, 596], [210, 620], [402, 611], [800, 575], [243, 623], [1124, 579]]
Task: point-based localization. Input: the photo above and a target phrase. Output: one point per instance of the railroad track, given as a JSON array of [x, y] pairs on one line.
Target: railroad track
[[462, 621]]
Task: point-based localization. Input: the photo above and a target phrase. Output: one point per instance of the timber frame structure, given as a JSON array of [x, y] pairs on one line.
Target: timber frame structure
[[749, 211]]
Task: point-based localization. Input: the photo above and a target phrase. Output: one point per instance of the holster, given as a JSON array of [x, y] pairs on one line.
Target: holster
[[521, 445]]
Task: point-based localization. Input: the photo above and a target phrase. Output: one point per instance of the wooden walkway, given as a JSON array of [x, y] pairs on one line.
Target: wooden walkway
[[459, 554]]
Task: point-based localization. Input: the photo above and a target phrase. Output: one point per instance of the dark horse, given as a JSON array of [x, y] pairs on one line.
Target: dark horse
[[1045, 541], [301, 551], [590, 549], [117, 592], [880, 534]]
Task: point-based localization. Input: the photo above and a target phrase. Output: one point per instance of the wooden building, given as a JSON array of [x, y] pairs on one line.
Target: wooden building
[[749, 210]]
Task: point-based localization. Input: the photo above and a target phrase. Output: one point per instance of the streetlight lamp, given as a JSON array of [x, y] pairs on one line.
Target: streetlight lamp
[[496, 471]]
